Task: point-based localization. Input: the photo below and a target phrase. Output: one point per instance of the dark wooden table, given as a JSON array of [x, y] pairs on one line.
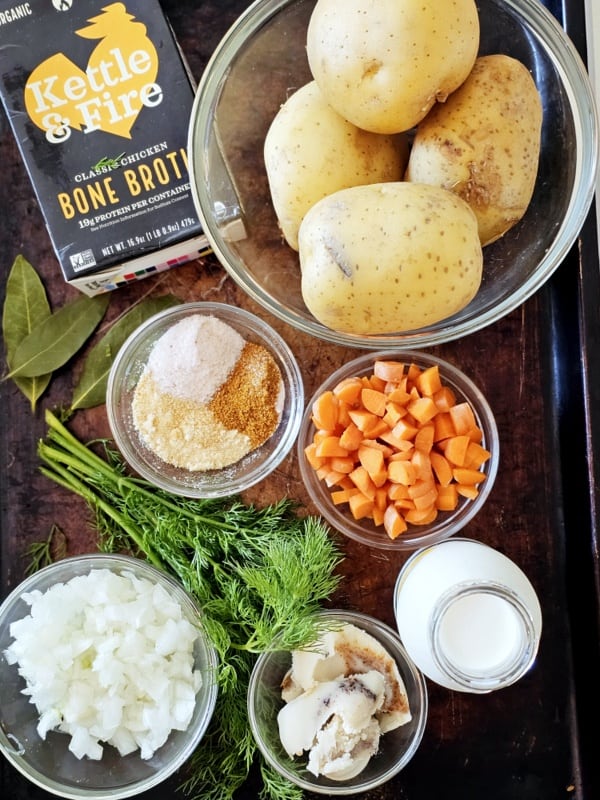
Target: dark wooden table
[[539, 369]]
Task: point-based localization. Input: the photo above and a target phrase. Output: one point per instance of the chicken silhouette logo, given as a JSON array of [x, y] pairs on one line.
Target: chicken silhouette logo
[[117, 83]]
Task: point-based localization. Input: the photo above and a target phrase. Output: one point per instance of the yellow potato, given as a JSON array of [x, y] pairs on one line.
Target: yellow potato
[[310, 152], [388, 257], [383, 65], [484, 143]]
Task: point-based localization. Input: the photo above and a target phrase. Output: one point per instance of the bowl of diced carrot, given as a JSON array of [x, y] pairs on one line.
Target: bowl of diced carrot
[[398, 450]]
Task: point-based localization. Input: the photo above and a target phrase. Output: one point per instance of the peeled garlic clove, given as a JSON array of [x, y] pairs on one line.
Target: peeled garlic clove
[[354, 699]]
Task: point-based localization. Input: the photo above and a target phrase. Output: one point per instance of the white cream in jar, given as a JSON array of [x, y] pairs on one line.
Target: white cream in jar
[[467, 615]]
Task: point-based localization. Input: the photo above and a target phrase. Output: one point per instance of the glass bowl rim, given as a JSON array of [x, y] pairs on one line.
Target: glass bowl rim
[[369, 624], [416, 538], [290, 374], [567, 62], [82, 564]]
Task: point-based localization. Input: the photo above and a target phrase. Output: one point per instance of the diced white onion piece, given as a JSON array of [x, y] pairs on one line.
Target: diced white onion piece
[[107, 658]]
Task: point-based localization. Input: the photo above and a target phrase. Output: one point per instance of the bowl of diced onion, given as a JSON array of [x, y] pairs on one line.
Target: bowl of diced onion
[[108, 677]]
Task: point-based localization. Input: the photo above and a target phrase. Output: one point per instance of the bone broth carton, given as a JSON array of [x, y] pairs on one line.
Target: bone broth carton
[[99, 101]]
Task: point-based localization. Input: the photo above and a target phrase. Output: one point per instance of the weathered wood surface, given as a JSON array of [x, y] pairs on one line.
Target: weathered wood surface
[[520, 743]]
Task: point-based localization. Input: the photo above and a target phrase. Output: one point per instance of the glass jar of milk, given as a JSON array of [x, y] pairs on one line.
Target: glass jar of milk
[[467, 615]]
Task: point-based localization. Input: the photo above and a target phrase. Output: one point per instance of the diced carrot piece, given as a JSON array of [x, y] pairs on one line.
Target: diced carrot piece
[[372, 460], [422, 464], [429, 381], [470, 492], [404, 430], [362, 480], [441, 468], [320, 435], [399, 394], [433, 513], [397, 491], [348, 390], [380, 427], [341, 496], [421, 516], [424, 438], [404, 504], [344, 464], [476, 435], [455, 449], [393, 522], [330, 446], [398, 444], [351, 437], [463, 418], [374, 401], [335, 478], [420, 487], [377, 515], [374, 382], [476, 455], [444, 427], [378, 445], [325, 411], [363, 419], [313, 459], [425, 500], [470, 477], [413, 374], [444, 398], [323, 472], [379, 479], [393, 413], [360, 505], [447, 498], [381, 498], [330, 476], [403, 454], [343, 416], [389, 371], [423, 409], [402, 472]]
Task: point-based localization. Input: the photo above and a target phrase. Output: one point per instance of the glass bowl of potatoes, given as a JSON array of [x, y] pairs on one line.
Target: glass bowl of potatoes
[[400, 228]]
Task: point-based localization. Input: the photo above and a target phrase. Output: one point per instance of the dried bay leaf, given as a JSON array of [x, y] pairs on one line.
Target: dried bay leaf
[[57, 338], [25, 304], [25, 307], [91, 387]]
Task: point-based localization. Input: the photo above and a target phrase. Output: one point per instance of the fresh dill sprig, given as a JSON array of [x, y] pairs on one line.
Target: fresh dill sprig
[[274, 785], [257, 573], [42, 554]]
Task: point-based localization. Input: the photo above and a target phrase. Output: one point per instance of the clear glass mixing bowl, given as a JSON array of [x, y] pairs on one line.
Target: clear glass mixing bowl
[[262, 60]]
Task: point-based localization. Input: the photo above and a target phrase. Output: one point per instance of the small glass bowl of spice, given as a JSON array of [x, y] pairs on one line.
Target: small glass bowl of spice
[[204, 400]]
